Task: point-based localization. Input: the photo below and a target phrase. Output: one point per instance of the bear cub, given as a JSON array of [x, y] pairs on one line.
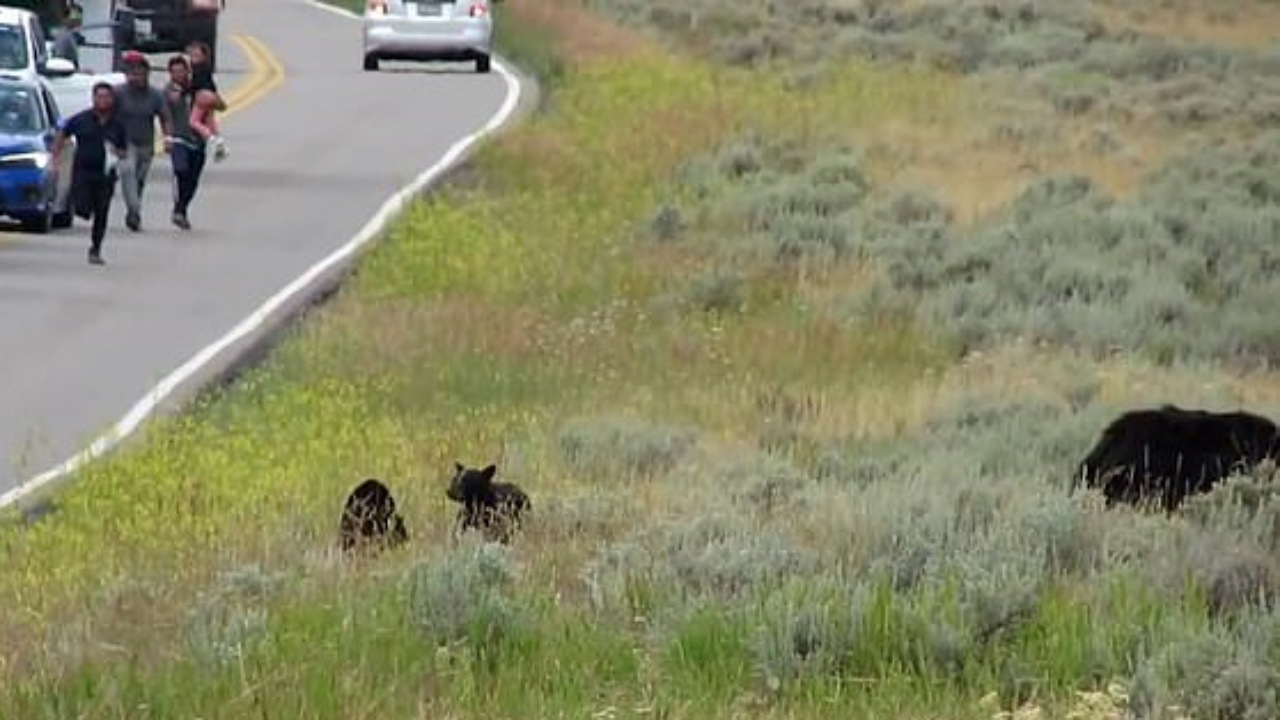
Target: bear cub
[[494, 508], [370, 518]]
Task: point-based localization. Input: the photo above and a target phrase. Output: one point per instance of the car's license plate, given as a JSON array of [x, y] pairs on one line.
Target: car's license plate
[[427, 9], [143, 27]]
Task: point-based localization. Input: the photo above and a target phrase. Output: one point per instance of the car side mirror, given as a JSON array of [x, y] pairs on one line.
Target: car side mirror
[[58, 67]]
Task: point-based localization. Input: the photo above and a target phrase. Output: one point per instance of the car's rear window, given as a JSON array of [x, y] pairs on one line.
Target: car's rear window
[[13, 48]]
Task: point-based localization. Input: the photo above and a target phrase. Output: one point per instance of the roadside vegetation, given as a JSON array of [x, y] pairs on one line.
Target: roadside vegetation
[[794, 320]]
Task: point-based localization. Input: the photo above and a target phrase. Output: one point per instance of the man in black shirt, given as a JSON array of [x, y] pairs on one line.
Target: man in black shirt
[[93, 171]]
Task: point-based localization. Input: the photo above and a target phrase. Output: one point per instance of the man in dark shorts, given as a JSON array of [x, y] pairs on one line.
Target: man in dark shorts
[[100, 144], [186, 148]]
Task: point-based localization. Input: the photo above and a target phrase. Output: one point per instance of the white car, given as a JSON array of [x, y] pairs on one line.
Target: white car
[[73, 91], [25, 53], [425, 30], [24, 49]]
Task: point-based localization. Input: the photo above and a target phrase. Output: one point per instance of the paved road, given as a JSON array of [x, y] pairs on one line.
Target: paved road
[[309, 164]]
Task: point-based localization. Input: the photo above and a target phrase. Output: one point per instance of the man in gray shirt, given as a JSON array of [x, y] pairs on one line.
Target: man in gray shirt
[[187, 151], [139, 105], [66, 41]]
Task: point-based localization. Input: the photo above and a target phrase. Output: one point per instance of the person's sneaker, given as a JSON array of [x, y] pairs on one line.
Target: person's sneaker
[[219, 145], [133, 222], [180, 219], [96, 258]]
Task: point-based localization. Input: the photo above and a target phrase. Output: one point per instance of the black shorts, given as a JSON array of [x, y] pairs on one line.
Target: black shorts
[[85, 190]]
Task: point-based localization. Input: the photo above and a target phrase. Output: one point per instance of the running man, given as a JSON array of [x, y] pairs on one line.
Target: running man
[[138, 105], [186, 149], [100, 144]]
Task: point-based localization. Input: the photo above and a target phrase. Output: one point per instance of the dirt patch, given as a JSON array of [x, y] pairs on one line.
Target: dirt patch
[[582, 35], [394, 331], [1251, 24], [977, 168]]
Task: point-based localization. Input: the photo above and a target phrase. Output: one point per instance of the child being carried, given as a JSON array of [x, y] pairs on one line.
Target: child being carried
[[205, 102], [205, 124]]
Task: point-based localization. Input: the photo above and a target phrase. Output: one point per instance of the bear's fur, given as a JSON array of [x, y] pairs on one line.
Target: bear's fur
[[491, 507], [1167, 454], [370, 517]]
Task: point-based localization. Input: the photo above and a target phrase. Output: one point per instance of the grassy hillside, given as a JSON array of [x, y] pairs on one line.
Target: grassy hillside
[[794, 320]]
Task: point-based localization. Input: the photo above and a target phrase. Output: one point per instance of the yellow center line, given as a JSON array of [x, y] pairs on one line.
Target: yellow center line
[[268, 74]]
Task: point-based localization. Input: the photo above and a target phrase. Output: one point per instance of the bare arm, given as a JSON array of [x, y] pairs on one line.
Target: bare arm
[[197, 123]]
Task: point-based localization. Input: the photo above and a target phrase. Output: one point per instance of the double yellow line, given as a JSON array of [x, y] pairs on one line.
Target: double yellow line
[[265, 75]]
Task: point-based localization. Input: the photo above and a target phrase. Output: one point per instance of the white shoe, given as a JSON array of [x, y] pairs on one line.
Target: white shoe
[[219, 145]]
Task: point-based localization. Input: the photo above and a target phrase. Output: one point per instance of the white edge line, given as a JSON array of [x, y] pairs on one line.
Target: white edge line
[[147, 406], [331, 8]]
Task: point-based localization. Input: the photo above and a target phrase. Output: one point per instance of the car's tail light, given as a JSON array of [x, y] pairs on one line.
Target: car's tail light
[[377, 7], [478, 10]]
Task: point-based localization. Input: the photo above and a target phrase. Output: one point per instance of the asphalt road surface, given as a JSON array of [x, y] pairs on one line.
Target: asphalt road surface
[[309, 164]]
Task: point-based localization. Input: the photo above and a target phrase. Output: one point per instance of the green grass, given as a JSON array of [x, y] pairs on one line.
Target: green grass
[[511, 652], [672, 307], [355, 6]]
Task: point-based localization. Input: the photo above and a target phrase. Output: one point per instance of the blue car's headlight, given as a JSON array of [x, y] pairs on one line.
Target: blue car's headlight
[[38, 160]]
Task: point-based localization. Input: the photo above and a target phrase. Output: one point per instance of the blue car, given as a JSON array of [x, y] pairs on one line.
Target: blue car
[[29, 120]]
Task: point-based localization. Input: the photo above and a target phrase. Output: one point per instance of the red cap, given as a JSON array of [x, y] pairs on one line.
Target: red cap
[[133, 57]]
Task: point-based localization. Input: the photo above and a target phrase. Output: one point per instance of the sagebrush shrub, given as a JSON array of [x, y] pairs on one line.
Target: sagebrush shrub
[[605, 447], [1185, 271], [227, 620], [1102, 69], [465, 598], [1226, 672]]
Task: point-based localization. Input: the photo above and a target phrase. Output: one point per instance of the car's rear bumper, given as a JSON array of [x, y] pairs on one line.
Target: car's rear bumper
[[401, 40], [162, 27]]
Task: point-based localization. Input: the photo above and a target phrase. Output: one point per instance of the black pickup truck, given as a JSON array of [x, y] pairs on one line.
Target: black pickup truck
[[167, 25]]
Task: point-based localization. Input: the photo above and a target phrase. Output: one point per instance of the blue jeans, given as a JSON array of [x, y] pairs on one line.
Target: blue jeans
[[188, 163], [133, 169]]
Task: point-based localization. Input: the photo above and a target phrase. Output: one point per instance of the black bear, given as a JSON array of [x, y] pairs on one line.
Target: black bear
[[370, 517], [1168, 454], [492, 507]]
